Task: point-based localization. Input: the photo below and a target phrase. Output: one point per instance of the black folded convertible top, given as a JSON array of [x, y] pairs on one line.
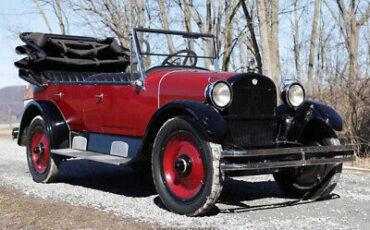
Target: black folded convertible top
[[52, 52]]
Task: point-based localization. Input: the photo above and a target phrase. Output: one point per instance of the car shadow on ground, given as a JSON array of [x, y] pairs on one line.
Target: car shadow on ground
[[108, 178], [235, 197], [238, 193]]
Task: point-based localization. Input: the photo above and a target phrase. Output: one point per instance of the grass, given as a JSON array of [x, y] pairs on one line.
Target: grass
[[360, 163]]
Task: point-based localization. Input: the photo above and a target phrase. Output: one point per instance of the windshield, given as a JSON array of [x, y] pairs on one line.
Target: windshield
[[172, 48]]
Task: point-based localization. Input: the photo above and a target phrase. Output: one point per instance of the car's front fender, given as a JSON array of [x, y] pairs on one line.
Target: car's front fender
[[206, 116], [309, 114], [209, 120]]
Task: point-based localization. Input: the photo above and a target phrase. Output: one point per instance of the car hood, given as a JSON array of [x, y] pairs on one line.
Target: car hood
[[190, 84], [183, 84]]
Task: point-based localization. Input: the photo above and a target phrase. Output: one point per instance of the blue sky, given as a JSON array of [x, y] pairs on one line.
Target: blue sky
[[22, 15], [15, 16], [19, 16]]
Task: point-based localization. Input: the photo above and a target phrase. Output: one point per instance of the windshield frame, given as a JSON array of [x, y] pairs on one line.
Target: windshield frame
[[139, 53]]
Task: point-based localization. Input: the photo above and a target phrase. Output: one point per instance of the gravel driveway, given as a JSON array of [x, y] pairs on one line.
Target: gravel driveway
[[246, 202]]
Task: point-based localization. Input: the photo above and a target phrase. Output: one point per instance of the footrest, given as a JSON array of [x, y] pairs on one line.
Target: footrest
[[93, 156]]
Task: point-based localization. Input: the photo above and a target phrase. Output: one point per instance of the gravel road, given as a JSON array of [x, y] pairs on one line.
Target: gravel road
[[246, 202]]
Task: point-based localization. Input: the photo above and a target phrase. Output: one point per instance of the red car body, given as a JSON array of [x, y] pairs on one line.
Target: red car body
[[122, 110], [193, 125]]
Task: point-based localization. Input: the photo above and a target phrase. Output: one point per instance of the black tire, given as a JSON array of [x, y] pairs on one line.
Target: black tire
[[310, 182], [45, 168], [205, 166]]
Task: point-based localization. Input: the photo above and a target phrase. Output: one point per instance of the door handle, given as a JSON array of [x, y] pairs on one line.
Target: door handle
[[58, 94], [100, 96]]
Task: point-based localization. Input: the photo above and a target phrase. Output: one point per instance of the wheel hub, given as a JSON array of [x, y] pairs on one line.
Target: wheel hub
[[183, 168], [183, 165], [39, 149]]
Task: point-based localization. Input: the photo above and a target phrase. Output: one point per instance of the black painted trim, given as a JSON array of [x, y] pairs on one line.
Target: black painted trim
[[55, 122], [310, 111], [206, 116]]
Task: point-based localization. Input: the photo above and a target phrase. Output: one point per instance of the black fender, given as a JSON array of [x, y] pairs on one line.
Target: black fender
[[55, 123], [213, 125], [312, 115]]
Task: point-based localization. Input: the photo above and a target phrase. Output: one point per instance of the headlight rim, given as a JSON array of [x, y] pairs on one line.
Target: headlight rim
[[209, 92], [285, 94]]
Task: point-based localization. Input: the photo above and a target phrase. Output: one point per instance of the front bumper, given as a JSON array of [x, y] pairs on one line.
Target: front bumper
[[260, 159]]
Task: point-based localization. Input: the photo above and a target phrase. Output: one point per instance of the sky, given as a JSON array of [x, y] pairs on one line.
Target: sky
[[23, 16], [17, 16]]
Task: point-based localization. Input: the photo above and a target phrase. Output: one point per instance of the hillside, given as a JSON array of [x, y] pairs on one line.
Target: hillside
[[11, 102]]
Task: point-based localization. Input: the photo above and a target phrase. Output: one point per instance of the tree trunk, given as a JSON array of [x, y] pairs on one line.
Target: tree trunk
[[198, 20], [274, 41], [296, 41], [265, 34], [241, 49], [312, 51], [162, 10], [252, 35]]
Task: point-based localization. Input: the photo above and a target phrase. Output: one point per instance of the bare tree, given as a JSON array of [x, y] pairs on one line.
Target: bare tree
[[312, 50], [114, 15], [350, 20], [189, 7], [295, 29], [165, 25], [249, 15], [42, 12], [58, 10], [241, 49], [267, 12]]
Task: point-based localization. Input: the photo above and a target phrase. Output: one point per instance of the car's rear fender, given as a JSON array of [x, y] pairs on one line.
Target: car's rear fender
[[212, 124], [55, 122], [312, 117]]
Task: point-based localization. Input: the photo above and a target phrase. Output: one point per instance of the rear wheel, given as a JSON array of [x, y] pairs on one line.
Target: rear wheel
[[310, 182], [186, 168], [42, 165]]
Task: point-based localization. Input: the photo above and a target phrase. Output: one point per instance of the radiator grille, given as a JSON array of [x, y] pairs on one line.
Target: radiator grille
[[251, 115]]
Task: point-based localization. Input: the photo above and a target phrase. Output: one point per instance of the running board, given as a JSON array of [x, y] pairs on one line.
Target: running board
[[93, 156]]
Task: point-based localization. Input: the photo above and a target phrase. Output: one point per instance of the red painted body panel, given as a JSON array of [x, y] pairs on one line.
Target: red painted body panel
[[123, 110]]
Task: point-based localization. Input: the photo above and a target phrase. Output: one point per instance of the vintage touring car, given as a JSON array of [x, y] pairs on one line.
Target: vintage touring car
[[162, 104]]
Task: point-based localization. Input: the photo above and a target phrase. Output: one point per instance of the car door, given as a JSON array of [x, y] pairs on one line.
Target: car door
[[93, 99], [115, 109]]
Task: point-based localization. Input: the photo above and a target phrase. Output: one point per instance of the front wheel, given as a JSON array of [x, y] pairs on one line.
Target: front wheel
[[186, 168], [42, 165], [310, 182]]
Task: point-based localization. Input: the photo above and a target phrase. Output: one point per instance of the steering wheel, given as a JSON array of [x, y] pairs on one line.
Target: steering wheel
[[190, 55]]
